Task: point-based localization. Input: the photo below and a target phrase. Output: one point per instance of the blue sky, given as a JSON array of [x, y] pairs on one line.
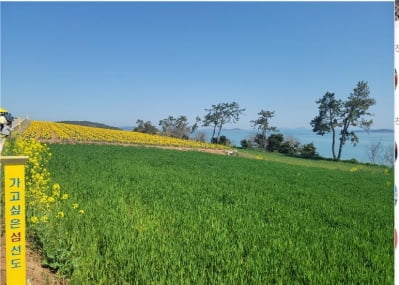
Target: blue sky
[[116, 62]]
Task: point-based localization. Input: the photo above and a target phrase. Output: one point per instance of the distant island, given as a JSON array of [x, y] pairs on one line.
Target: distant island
[[376, 131], [307, 129], [89, 124], [129, 128]]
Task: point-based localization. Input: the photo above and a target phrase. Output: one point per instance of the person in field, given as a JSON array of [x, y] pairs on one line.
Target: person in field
[[5, 131], [3, 122]]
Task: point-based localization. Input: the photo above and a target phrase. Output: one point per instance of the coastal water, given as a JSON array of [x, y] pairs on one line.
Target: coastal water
[[360, 152]]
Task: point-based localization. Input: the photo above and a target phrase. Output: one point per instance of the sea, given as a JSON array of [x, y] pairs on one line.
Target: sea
[[360, 152]]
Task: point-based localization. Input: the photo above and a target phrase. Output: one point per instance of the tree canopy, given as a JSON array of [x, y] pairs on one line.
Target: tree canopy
[[335, 113], [328, 118], [264, 126], [145, 127], [178, 127], [221, 114]]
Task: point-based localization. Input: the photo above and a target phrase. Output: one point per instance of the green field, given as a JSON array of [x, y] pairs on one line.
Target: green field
[[156, 216]]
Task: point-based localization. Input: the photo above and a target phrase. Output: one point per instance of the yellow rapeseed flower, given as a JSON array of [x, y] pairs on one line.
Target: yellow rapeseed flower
[[34, 219], [56, 190], [353, 169], [75, 206], [44, 198], [41, 195], [67, 132], [81, 211], [56, 187]]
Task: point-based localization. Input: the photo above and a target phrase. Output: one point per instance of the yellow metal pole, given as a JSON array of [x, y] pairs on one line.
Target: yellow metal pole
[[14, 201]]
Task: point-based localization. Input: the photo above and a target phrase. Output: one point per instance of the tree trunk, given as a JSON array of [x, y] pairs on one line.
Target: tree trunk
[[341, 144], [342, 139], [213, 134], [333, 144], [264, 140], [220, 129]]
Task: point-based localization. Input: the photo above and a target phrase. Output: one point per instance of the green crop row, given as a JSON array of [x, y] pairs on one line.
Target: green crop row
[[157, 216]]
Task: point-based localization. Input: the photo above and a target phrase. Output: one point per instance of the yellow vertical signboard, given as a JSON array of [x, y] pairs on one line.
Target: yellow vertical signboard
[[14, 212]]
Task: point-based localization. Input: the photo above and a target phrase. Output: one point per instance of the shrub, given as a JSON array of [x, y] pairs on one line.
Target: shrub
[[145, 127], [223, 140], [287, 148], [245, 143], [308, 151], [274, 142]]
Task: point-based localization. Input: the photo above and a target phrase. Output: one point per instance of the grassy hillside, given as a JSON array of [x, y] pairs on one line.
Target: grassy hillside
[[319, 163], [163, 216]]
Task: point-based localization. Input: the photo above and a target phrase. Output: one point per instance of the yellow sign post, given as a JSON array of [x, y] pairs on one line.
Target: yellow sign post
[[14, 202]]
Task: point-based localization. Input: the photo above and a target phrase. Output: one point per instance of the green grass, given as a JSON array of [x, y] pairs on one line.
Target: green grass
[[156, 216], [319, 163]]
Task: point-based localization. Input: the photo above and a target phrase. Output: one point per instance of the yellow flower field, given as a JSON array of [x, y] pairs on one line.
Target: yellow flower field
[[50, 131]]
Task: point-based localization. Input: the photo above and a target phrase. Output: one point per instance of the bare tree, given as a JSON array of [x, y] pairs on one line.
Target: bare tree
[[374, 150], [200, 137], [389, 156], [380, 155]]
